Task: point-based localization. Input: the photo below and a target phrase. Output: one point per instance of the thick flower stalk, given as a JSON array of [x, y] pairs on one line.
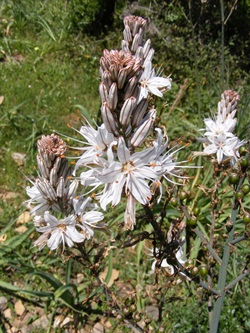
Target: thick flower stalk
[[218, 137]]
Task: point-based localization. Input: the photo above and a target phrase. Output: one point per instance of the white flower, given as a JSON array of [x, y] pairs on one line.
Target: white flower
[[39, 202], [218, 137], [129, 174], [169, 268], [214, 128], [223, 147], [163, 162], [150, 83], [58, 231], [97, 142], [87, 219]]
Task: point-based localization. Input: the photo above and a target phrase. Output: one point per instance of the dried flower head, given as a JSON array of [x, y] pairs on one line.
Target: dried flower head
[[135, 23], [51, 145], [120, 66]]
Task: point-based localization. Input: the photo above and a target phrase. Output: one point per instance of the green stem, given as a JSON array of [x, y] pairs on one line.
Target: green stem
[[196, 69], [222, 44], [208, 246], [223, 276], [238, 279]]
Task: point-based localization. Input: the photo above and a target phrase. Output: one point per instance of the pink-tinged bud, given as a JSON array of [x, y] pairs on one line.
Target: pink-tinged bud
[[135, 43], [125, 46], [135, 28], [106, 53], [53, 177], [130, 87], [130, 216], [72, 189], [65, 171], [103, 92], [108, 118], [122, 75], [106, 78], [139, 112], [142, 132], [51, 145], [134, 23], [51, 194], [60, 188], [104, 64], [127, 110], [113, 72], [57, 164], [42, 167], [150, 55], [139, 52], [113, 96], [127, 34], [146, 48]]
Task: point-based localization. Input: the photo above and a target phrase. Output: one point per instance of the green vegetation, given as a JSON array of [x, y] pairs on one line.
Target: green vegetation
[[49, 65]]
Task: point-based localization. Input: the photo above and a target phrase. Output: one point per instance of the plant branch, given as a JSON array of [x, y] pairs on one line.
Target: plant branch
[[208, 246], [238, 279]]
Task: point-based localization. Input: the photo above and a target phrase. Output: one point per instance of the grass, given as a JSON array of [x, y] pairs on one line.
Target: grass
[[48, 74]]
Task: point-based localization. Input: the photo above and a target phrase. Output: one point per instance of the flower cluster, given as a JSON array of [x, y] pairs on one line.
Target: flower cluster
[[124, 157], [218, 137], [53, 194], [114, 154]]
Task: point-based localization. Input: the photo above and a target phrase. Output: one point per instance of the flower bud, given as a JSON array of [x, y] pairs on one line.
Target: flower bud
[[113, 72], [146, 48], [142, 132], [60, 188], [103, 92], [113, 96], [139, 112], [130, 87], [42, 167], [124, 46], [108, 118], [122, 75], [135, 43], [127, 34], [127, 110], [150, 55], [53, 176], [106, 78], [139, 52]]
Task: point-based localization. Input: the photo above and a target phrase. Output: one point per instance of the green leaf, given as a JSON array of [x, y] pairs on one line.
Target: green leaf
[[110, 268], [17, 240], [84, 111], [8, 226], [68, 271], [55, 283], [9, 287]]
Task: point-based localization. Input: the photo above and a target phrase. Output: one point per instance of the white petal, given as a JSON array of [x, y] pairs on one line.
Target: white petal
[[72, 233], [140, 189], [122, 151], [55, 239], [52, 220]]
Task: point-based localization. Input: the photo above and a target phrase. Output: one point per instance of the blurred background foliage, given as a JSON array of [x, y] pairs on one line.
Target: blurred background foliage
[[49, 71]]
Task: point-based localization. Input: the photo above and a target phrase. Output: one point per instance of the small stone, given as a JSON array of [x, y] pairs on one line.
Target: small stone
[[21, 229], [3, 303], [23, 218], [19, 158], [19, 308]]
